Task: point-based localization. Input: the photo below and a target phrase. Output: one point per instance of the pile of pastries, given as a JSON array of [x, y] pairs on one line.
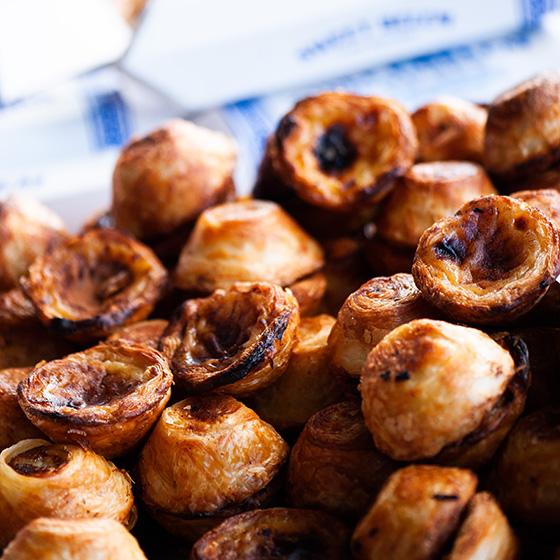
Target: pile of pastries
[[358, 361]]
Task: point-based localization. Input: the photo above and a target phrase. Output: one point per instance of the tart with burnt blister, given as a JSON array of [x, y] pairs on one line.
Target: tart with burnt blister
[[42, 479], [46, 538], [275, 533], [234, 341], [106, 397], [94, 283], [490, 263], [208, 457]]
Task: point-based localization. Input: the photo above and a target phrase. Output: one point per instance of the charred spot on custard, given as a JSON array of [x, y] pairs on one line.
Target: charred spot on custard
[[40, 461], [521, 223], [451, 249], [334, 150]]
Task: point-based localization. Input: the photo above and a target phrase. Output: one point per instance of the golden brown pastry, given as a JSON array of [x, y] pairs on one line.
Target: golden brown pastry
[[490, 263], [208, 457], [94, 283], [522, 135], [105, 398], [526, 474], [426, 193], [339, 151], [368, 314], [429, 384], [450, 128], [246, 241], [144, 332], [546, 200], [235, 341], [47, 538], [14, 425], [485, 532], [42, 479], [309, 293], [414, 515], [334, 465], [163, 181], [275, 533], [308, 384]]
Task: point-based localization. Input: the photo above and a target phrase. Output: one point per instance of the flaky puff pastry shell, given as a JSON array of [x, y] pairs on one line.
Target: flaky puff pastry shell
[[526, 474], [339, 151], [42, 479], [450, 128], [144, 332], [307, 385], [426, 193], [14, 425], [167, 178], [522, 133], [368, 314], [106, 397], [334, 465], [275, 533], [490, 263], [416, 512], [430, 383], [94, 283], [48, 538], [206, 454], [235, 341], [485, 532], [246, 241]]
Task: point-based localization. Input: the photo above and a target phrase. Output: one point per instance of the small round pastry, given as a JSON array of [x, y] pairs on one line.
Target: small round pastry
[[164, 180], [334, 465], [48, 538], [275, 533], [522, 135], [28, 229], [208, 457], [485, 532], [146, 332], [339, 151], [14, 425], [429, 384], [105, 398], [234, 341], [426, 193], [450, 128], [94, 283], [417, 511], [546, 200], [526, 474], [490, 263], [42, 479], [246, 241], [308, 384], [368, 314]]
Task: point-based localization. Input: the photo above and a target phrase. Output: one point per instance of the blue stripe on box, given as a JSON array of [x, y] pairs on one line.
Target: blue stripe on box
[[110, 119]]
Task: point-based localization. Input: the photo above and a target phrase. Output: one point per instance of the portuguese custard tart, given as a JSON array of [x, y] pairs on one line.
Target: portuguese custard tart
[[246, 241], [94, 283], [339, 151], [14, 425], [105, 398], [208, 457], [490, 263], [334, 465], [307, 385], [235, 341], [164, 180], [429, 384], [426, 193], [525, 476], [450, 128], [275, 533], [47, 538], [522, 136], [368, 314], [42, 479]]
